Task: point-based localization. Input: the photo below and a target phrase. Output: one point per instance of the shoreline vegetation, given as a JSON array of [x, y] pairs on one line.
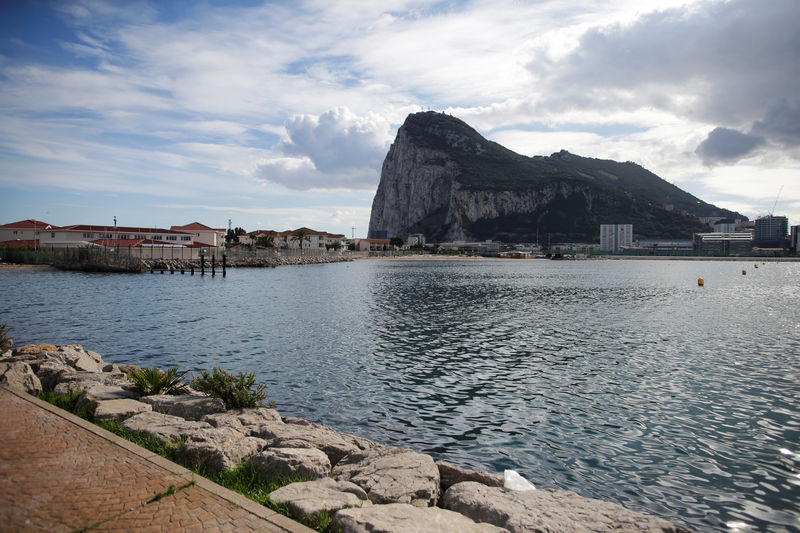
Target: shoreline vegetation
[[217, 425]]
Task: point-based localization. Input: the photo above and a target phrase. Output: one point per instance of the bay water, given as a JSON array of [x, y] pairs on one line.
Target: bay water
[[619, 380]]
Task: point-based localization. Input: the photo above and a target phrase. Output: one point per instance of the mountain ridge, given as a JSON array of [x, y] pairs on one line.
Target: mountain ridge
[[442, 178]]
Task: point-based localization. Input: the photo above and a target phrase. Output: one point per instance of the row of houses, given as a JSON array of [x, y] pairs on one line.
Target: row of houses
[[38, 234]]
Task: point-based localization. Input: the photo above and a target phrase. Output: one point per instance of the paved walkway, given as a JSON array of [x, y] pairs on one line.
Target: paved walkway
[[61, 473]]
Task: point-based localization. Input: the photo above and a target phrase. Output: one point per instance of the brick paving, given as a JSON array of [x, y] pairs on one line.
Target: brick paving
[[61, 473]]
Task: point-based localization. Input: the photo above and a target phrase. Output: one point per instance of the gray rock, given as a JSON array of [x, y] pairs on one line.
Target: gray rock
[[392, 475], [404, 518], [165, 428], [6, 355], [185, 406], [19, 376], [297, 433], [94, 395], [451, 474], [50, 373], [80, 380], [546, 510], [218, 448], [75, 356], [286, 462], [119, 409], [112, 367], [248, 421], [326, 494]]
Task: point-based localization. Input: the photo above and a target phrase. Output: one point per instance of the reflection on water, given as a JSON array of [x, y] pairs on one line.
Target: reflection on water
[[621, 380]]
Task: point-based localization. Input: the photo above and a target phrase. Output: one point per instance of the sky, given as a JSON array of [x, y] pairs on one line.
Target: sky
[[276, 115]]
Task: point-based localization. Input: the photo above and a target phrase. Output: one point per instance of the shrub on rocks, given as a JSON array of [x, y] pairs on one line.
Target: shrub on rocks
[[238, 392], [153, 380]]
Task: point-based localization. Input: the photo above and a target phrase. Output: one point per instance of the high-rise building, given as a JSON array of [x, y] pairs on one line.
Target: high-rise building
[[614, 237], [794, 239], [771, 232]]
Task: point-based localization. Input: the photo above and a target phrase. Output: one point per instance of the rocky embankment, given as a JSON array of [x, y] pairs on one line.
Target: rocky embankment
[[366, 486], [255, 262]]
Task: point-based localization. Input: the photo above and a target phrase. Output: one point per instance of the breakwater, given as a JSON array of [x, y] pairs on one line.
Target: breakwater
[[366, 486], [241, 262]]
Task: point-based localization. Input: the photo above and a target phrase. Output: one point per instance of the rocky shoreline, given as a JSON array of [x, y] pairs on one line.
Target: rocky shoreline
[[364, 485]]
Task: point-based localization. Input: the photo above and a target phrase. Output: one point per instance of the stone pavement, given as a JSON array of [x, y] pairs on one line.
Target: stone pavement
[[61, 473]]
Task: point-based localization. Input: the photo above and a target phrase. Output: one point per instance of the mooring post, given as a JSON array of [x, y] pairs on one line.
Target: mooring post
[[202, 265], [192, 270], [223, 264], [213, 265]]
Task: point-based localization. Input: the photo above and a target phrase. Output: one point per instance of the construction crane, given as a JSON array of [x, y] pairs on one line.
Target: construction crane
[[774, 205]]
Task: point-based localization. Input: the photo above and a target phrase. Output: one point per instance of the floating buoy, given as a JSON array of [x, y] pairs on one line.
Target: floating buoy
[[744, 272], [755, 266], [700, 282]]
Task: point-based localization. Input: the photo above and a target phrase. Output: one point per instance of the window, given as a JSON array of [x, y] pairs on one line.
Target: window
[[172, 238], [124, 236], [156, 237], [88, 235], [186, 238], [140, 236]]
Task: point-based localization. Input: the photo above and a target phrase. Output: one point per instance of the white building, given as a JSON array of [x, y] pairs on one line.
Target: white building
[[22, 233], [113, 237], [615, 237], [203, 235], [416, 239]]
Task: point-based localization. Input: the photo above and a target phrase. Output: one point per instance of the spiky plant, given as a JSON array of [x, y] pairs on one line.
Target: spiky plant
[[156, 381], [238, 392]]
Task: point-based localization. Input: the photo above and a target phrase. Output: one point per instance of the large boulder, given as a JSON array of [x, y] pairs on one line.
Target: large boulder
[[80, 380], [94, 395], [547, 510], [392, 475], [186, 406], [165, 428], [50, 373], [248, 421], [19, 376], [297, 433], [451, 474], [35, 349], [216, 449], [119, 409], [325, 494], [307, 463], [404, 518]]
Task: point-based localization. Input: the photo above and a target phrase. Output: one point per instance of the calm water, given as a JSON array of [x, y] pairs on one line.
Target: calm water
[[620, 380]]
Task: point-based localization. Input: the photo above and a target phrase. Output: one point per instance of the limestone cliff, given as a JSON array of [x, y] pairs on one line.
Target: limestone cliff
[[443, 179]]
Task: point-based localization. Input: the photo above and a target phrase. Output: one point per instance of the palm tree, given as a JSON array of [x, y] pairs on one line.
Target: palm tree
[[301, 235]]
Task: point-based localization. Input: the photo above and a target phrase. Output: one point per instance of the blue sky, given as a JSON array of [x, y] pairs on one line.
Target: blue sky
[[279, 114]]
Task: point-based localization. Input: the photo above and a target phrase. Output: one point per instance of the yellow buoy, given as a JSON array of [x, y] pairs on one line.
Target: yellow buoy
[[700, 282], [744, 272], [755, 266]]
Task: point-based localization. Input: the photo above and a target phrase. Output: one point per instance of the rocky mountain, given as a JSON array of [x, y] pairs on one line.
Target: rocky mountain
[[443, 179]]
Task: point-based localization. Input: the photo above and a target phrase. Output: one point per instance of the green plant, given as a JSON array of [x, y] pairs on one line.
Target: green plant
[[238, 392], [64, 401], [140, 438], [5, 342], [156, 381]]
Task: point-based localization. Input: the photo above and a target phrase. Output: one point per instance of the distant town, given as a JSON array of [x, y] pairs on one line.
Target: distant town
[[766, 236]]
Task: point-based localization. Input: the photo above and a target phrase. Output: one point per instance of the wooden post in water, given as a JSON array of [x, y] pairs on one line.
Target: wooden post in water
[[223, 264], [213, 265], [202, 264], [192, 266]]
